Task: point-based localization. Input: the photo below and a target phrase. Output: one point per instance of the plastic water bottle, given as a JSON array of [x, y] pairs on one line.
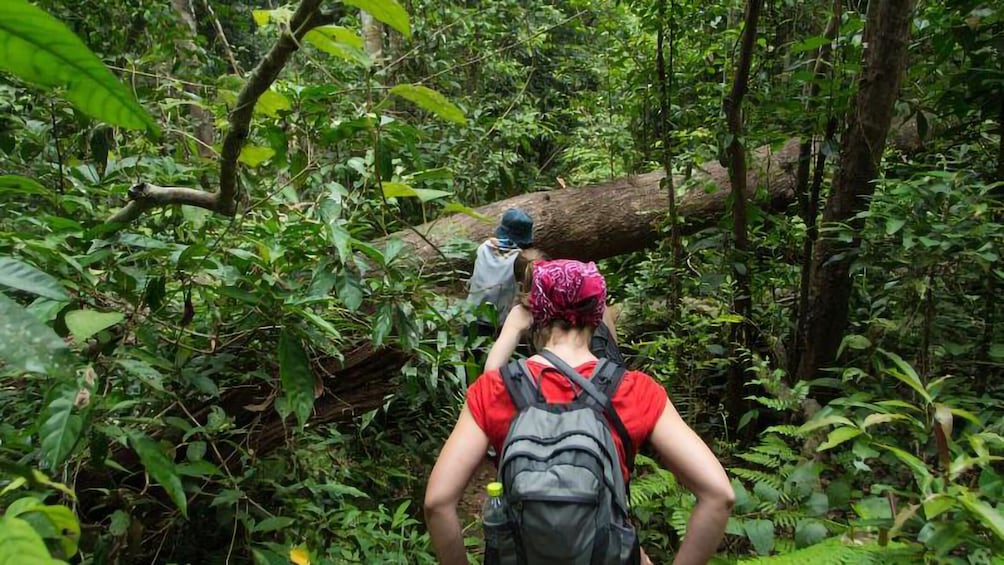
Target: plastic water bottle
[[495, 517]]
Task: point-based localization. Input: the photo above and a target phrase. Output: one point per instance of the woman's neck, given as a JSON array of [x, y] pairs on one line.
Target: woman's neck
[[571, 345]]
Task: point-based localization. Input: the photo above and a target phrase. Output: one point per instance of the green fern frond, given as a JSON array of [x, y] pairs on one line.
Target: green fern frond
[[761, 459], [836, 551], [759, 477], [785, 430]]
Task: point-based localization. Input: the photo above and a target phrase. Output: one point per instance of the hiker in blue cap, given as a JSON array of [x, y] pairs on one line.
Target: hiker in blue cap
[[492, 281]]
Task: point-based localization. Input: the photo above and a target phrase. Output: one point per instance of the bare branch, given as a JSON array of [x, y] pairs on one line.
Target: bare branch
[[145, 196]]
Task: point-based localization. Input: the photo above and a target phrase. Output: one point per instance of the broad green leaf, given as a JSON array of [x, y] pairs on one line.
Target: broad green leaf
[[458, 208], [22, 276], [893, 225], [386, 11], [40, 49], [26, 344], [991, 518], [401, 190], [277, 16], [920, 471], [430, 100], [63, 525], [60, 430], [817, 423], [761, 535], [809, 532], [273, 523], [266, 557], [809, 44], [85, 323], [428, 194], [270, 103], [875, 419], [144, 372], [936, 504], [20, 543], [160, 468], [340, 42], [16, 184], [905, 373], [398, 190], [349, 290], [839, 436], [254, 155], [297, 380]]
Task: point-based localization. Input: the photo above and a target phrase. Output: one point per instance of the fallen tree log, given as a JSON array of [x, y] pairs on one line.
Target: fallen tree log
[[619, 216]]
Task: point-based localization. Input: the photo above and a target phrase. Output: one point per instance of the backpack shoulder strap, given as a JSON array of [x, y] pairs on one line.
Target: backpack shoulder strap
[[608, 376], [519, 384]]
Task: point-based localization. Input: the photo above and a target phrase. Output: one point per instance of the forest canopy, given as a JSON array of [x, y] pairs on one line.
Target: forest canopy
[[235, 239]]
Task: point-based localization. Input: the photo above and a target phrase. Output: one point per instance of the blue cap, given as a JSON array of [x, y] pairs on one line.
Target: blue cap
[[516, 227]]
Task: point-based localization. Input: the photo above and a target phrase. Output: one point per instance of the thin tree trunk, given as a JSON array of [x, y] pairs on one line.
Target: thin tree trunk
[[887, 34], [809, 200], [742, 302], [666, 129]]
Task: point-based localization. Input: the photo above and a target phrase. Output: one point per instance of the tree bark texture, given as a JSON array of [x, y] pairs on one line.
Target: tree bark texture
[[887, 36], [742, 300], [809, 199]]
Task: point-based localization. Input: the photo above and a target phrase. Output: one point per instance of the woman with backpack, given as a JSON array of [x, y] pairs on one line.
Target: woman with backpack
[[556, 430]]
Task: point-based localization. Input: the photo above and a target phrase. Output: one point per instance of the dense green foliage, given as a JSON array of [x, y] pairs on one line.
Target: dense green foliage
[[184, 388]]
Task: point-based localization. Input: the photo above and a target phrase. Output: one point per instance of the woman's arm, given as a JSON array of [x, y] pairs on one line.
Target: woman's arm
[[516, 323], [684, 453], [457, 462]]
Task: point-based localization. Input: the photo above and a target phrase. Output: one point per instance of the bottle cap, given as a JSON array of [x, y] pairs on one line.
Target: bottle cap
[[494, 489]]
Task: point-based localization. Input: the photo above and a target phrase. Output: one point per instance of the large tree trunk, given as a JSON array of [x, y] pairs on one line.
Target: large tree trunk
[[887, 34]]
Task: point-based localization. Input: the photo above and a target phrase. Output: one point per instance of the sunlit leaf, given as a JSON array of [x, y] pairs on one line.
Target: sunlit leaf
[[20, 543], [160, 468], [85, 323], [457, 208], [277, 16], [255, 155], [270, 103], [297, 380], [26, 344], [839, 436], [40, 49], [60, 430], [24, 277], [430, 100], [340, 42], [398, 190], [385, 11]]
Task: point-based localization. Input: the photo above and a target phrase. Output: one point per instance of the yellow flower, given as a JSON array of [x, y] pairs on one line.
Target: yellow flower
[[299, 555]]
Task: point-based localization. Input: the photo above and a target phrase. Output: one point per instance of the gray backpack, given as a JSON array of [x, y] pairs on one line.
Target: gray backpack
[[561, 473]]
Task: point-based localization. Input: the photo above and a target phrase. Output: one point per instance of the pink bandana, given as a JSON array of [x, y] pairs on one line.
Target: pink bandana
[[559, 290]]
